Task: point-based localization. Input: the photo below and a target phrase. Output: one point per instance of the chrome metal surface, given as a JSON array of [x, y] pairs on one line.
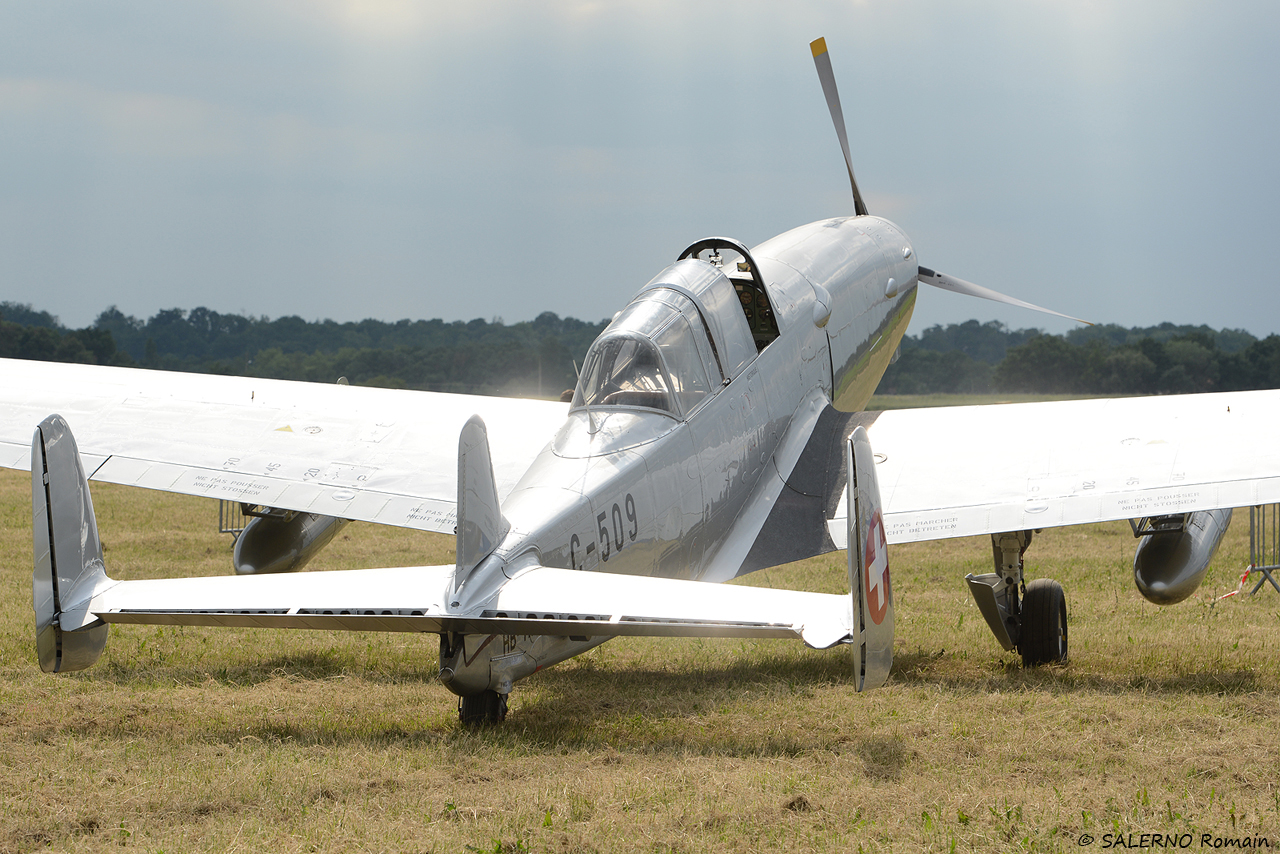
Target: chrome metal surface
[[67, 551], [991, 595], [1169, 565], [481, 525], [852, 259], [275, 544], [868, 558]]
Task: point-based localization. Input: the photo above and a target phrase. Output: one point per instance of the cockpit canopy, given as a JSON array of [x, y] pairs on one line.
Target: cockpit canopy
[[655, 355]]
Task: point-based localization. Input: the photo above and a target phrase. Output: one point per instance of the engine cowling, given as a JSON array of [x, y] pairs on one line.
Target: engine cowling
[[1170, 564], [283, 543], [867, 272]]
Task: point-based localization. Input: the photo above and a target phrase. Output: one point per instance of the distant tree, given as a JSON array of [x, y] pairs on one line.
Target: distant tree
[[1233, 340], [1046, 364], [985, 342], [1193, 366], [1257, 366], [24, 315], [1126, 370], [98, 343], [1224, 340], [922, 371]]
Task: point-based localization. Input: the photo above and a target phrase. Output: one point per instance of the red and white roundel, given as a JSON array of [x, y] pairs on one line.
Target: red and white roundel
[[876, 575]]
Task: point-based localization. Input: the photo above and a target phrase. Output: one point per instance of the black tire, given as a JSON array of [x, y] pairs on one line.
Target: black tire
[[487, 707], [1044, 624]]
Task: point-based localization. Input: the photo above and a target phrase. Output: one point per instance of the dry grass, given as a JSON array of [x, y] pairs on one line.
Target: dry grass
[[1165, 720]]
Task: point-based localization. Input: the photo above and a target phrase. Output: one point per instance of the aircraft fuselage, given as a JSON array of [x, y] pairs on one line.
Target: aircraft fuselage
[[668, 466]]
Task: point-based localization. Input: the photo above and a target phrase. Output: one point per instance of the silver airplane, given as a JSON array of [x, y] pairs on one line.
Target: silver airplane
[[717, 428]]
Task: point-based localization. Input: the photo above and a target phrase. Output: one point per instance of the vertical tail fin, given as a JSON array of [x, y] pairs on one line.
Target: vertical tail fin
[[481, 525], [868, 567], [68, 553]]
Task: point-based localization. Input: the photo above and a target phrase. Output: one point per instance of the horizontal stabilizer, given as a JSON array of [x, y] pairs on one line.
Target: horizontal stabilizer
[[540, 600], [960, 286], [635, 605]]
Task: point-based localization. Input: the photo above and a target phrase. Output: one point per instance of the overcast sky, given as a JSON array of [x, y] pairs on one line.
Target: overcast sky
[[389, 159]]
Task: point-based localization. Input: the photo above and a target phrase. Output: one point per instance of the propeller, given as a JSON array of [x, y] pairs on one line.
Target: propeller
[[960, 286], [822, 61]]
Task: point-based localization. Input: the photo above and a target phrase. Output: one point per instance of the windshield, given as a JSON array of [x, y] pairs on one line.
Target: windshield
[[623, 370], [651, 357]]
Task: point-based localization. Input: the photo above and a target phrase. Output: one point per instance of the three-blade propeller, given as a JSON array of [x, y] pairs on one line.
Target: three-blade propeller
[[822, 61]]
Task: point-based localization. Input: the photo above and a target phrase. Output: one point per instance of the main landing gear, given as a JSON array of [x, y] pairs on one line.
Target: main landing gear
[[1031, 618], [487, 707]]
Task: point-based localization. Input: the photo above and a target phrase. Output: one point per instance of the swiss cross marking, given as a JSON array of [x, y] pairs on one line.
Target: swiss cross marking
[[876, 574]]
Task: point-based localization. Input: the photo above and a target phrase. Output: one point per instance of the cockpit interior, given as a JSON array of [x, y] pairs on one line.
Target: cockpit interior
[[746, 281]]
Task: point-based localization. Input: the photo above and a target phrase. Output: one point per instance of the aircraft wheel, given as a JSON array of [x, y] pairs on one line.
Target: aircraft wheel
[[1044, 624], [487, 707]]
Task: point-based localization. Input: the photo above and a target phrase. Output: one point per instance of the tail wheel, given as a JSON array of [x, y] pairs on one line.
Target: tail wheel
[[487, 707], [1043, 639]]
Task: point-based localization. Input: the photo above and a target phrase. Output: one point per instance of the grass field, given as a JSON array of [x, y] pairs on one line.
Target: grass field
[[1164, 721]]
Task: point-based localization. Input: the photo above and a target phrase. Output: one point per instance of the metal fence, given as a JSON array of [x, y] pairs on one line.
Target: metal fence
[[230, 517], [1264, 544]]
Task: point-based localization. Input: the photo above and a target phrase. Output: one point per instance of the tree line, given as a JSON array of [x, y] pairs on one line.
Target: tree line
[[534, 357], [975, 357], [541, 356]]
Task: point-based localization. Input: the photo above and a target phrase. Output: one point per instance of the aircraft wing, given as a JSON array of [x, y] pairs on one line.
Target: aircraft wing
[[537, 601], [376, 455], [983, 469], [970, 470]]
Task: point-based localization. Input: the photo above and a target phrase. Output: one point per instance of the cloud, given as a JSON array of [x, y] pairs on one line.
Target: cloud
[[126, 124]]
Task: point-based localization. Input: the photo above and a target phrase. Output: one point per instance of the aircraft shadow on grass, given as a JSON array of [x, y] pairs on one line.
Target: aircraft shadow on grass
[[800, 671]]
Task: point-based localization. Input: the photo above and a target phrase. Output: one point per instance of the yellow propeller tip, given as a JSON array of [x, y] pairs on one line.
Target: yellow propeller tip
[[818, 46]]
